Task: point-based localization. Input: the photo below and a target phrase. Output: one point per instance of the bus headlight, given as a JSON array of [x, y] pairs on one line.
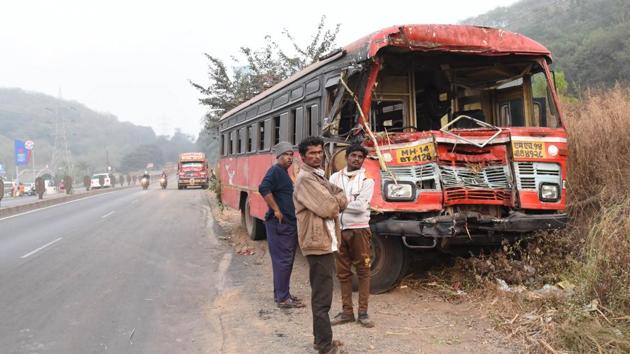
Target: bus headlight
[[549, 192], [399, 192]]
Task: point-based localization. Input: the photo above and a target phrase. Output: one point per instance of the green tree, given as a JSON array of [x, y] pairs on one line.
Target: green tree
[[588, 38], [176, 144], [141, 156], [258, 70], [539, 85]]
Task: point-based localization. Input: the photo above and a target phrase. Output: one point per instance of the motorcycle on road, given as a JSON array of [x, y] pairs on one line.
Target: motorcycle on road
[[144, 182], [163, 182]]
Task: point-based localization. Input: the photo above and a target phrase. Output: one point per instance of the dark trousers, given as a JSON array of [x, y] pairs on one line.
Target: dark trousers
[[282, 242], [354, 250], [321, 273]]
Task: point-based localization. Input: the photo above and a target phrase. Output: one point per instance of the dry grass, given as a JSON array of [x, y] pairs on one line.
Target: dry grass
[[592, 255], [599, 141], [599, 187], [596, 246], [215, 186]]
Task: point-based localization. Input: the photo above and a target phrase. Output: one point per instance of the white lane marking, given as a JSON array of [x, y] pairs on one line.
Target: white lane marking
[[108, 214], [41, 248], [52, 206]]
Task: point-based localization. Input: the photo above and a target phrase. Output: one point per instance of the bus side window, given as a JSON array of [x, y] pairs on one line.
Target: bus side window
[[313, 113], [285, 127], [239, 141], [268, 133], [245, 140], [251, 134], [299, 124], [543, 103], [222, 145], [260, 142], [253, 137], [293, 139], [276, 130], [307, 123], [234, 141]]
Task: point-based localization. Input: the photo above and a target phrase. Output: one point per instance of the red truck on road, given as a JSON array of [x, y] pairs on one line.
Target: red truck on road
[[192, 170]]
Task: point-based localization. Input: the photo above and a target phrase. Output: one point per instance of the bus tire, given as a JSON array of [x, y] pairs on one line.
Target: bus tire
[[389, 264], [255, 228]]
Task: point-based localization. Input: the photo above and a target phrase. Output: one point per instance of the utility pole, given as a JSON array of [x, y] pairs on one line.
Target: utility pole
[[61, 153]]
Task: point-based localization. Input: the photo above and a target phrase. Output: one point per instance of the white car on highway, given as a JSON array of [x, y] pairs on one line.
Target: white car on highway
[[8, 188], [95, 182]]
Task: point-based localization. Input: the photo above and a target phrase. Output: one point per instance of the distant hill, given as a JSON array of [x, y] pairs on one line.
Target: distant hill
[[589, 39], [93, 137]]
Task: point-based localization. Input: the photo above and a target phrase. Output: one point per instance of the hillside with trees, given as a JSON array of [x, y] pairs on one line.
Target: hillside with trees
[[94, 139], [588, 38]]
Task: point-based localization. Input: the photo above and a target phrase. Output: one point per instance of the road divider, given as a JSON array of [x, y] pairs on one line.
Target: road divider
[[6, 213]]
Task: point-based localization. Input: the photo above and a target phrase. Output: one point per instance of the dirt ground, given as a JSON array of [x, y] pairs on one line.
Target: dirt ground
[[408, 320]]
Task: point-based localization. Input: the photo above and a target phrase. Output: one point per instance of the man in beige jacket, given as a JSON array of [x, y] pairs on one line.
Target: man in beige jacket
[[317, 206]]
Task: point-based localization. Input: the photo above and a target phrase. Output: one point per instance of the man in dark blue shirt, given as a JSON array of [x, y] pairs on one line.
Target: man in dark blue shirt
[[280, 223]]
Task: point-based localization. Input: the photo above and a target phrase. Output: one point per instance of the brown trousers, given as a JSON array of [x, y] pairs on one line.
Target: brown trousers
[[354, 250]]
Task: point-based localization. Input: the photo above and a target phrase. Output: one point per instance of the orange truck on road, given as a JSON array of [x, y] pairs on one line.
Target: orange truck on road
[[192, 170]]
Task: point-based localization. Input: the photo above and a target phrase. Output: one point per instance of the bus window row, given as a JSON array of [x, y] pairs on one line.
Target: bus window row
[[290, 126], [267, 106]]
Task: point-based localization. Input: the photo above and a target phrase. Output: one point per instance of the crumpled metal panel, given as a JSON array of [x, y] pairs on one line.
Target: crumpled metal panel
[[447, 38]]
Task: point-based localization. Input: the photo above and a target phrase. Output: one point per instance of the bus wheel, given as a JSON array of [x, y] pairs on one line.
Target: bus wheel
[[389, 264], [254, 227]]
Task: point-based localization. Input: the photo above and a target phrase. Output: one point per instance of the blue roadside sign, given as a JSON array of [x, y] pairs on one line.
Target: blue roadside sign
[[21, 155]]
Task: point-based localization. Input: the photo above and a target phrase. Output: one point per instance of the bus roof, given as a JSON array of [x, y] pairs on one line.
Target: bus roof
[[461, 39], [447, 38]]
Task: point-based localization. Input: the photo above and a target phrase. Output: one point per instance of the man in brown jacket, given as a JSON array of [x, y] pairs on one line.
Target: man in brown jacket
[[317, 206]]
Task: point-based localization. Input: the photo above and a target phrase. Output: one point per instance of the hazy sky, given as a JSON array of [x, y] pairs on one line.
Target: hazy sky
[[134, 58]]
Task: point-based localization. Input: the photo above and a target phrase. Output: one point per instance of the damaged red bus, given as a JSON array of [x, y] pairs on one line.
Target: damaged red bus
[[463, 124]]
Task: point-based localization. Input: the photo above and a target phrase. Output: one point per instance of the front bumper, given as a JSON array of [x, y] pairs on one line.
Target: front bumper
[[470, 223]]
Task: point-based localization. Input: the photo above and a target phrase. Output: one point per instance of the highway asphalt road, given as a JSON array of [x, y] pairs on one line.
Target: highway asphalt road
[[129, 271]]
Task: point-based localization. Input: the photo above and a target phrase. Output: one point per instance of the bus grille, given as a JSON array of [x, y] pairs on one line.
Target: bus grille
[[530, 174], [415, 172], [424, 176], [491, 177]]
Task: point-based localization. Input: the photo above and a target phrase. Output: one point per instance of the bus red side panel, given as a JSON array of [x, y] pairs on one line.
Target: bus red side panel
[[258, 166], [243, 174], [230, 194]]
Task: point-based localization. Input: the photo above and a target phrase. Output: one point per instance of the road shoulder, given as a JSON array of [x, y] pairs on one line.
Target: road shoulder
[[407, 320]]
